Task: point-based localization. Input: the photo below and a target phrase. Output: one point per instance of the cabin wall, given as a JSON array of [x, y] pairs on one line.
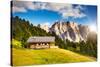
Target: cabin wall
[[39, 45]]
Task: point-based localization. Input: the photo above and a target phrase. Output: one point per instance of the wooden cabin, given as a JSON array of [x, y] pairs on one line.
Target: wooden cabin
[[40, 42]]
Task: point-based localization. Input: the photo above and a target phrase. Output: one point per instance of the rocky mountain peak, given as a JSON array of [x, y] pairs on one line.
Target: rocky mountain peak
[[70, 30]]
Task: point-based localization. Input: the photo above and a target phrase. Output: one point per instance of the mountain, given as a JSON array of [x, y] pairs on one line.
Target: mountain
[[70, 30], [45, 27]]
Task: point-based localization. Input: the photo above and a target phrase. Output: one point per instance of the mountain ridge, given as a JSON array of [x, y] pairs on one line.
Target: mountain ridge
[[69, 30]]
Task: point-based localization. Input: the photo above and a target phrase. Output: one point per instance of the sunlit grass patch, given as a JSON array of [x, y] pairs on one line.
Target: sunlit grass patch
[[46, 56]]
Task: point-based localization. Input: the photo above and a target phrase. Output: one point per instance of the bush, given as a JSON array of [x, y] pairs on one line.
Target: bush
[[16, 43]]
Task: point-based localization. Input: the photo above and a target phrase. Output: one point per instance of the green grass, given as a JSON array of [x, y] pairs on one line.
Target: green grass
[[46, 56]]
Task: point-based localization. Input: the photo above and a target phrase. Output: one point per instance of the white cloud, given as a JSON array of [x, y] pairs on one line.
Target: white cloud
[[79, 7], [74, 12], [22, 6], [18, 9], [47, 23], [66, 10]]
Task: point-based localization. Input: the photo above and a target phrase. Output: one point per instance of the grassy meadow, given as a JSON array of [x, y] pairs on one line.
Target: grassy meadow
[[46, 56]]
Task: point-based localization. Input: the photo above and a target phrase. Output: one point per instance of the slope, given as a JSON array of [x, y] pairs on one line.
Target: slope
[[46, 56]]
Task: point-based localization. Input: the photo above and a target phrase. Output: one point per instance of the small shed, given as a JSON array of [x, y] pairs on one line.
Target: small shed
[[40, 42]]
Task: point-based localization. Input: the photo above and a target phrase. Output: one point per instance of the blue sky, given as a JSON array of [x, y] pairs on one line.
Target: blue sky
[[48, 13]]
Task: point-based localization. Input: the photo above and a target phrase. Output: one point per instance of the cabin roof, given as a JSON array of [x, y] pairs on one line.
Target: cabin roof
[[41, 39]]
